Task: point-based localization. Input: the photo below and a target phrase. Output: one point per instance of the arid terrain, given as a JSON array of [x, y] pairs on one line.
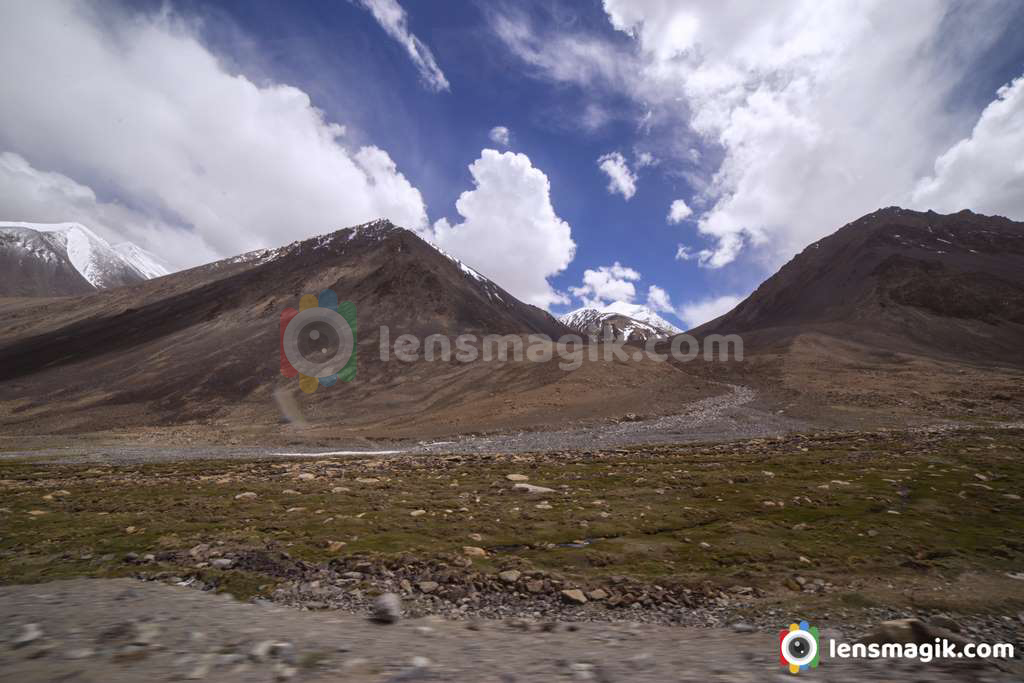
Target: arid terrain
[[861, 463]]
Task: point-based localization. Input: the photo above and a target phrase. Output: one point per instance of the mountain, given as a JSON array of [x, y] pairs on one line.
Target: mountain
[[632, 322], [59, 245], [34, 263], [202, 347], [906, 281], [145, 262]]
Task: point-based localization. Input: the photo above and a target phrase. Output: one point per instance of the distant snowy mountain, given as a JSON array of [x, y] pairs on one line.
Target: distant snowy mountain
[[632, 322], [145, 262], [43, 251]]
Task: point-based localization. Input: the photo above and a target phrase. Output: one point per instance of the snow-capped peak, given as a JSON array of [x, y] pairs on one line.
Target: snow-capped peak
[[641, 313], [92, 256], [145, 262], [641, 320]]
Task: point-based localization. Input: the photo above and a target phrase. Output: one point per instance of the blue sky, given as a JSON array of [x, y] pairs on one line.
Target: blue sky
[[773, 127]]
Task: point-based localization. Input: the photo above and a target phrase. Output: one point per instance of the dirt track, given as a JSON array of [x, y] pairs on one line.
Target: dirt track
[[125, 630]]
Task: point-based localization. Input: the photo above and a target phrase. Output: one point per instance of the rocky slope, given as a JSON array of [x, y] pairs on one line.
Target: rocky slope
[[903, 281]]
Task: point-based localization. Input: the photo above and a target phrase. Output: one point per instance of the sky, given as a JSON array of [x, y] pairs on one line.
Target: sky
[[658, 152]]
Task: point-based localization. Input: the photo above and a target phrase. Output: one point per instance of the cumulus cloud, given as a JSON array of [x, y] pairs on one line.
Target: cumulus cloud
[[779, 117], [500, 135], [658, 300], [30, 195], [698, 312], [392, 18], [621, 180], [985, 171], [678, 212], [141, 111], [814, 130], [607, 283], [510, 231]]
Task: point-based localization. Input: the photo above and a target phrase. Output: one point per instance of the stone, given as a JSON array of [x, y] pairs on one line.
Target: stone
[[335, 546], [428, 586], [575, 596], [200, 552], [30, 633], [517, 477], [598, 594], [531, 489], [307, 476], [476, 537], [417, 513], [509, 575], [222, 563], [535, 586], [473, 551], [248, 495], [387, 609]]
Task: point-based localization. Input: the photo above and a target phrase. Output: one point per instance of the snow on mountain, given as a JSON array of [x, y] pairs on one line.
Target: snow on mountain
[[641, 313], [100, 264], [144, 261], [625, 320]]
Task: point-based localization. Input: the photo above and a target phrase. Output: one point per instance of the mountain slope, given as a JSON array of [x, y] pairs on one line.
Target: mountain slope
[[632, 322], [147, 263], [203, 347], [34, 264], [951, 285], [89, 254]]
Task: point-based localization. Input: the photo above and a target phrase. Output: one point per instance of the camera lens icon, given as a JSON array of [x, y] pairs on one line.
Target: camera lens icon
[[318, 341], [798, 647]]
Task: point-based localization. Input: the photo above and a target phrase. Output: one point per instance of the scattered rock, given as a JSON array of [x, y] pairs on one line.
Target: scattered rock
[[575, 596], [509, 575], [473, 551], [428, 586], [417, 513], [598, 594], [248, 495], [335, 546], [30, 633], [222, 563], [387, 609], [531, 489], [517, 477]]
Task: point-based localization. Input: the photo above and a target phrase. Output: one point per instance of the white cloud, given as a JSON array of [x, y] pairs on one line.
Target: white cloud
[[658, 300], [510, 231], [644, 159], [985, 171], [621, 180], [393, 19], [814, 128], [500, 135], [140, 110], [678, 212], [607, 283], [699, 312], [30, 195]]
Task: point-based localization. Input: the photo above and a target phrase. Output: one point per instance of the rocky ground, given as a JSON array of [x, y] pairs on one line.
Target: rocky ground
[[125, 630], [565, 563]]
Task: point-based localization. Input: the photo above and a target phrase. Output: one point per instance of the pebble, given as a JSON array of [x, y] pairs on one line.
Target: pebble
[[574, 595], [387, 609], [30, 633]]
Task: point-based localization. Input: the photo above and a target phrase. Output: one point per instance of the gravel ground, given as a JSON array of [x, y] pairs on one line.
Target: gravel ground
[[725, 417], [126, 630]]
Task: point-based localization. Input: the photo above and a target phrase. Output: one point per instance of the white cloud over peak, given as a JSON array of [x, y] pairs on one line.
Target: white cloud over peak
[[678, 212], [607, 283], [621, 180], [510, 231], [500, 135], [659, 300], [392, 18], [985, 171], [142, 111], [822, 112], [698, 312]]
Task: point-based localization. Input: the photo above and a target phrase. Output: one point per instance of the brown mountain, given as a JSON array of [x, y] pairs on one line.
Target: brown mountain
[[944, 285], [202, 347], [34, 263]]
